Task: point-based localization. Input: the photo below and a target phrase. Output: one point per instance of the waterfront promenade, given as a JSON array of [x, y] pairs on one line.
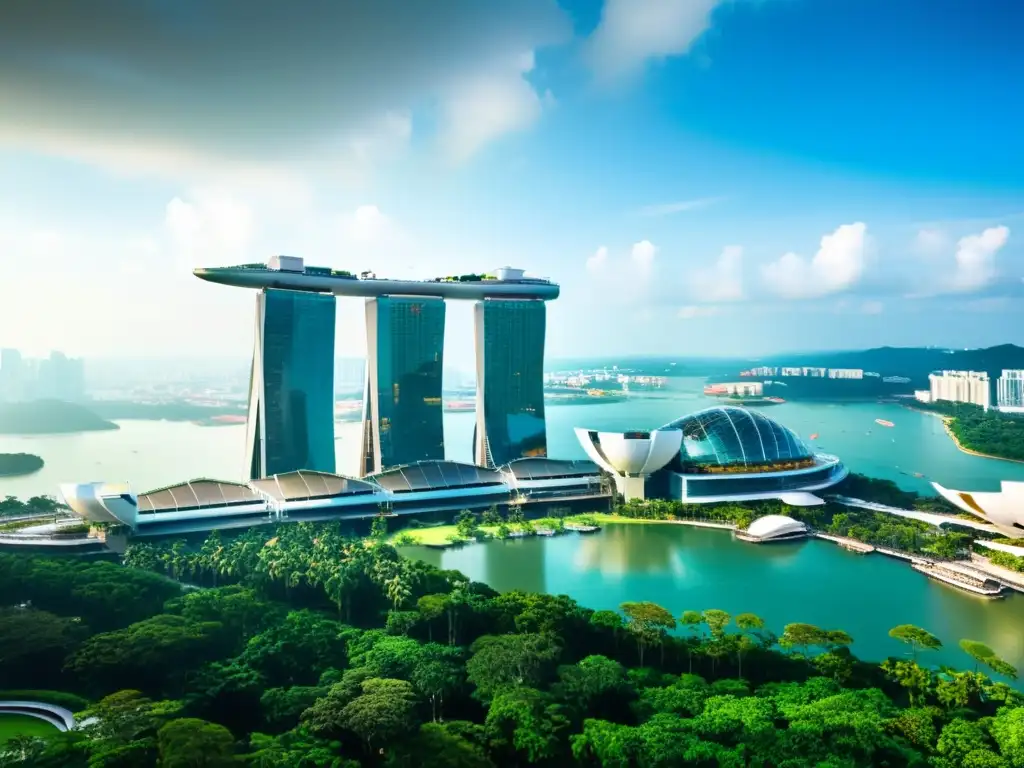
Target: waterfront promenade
[[925, 517]]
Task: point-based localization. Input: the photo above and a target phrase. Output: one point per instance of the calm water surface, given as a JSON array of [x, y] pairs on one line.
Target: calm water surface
[[686, 568], [150, 454]]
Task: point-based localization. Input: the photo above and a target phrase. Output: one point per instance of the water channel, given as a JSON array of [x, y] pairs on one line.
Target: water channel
[[686, 568]]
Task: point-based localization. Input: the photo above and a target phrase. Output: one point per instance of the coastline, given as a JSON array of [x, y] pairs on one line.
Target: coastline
[[956, 441]]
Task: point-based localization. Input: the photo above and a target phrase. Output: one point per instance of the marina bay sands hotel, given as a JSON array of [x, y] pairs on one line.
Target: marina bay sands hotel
[[291, 395]]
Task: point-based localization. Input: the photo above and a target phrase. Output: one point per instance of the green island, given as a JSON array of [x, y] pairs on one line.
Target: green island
[[49, 417], [17, 464], [303, 645], [986, 433]]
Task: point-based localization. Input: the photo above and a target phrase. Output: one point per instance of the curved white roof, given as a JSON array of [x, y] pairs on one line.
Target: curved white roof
[[1003, 508], [772, 526], [101, 502], [630, 453]]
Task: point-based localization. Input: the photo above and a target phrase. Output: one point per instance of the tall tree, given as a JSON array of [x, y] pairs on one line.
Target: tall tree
[[918, 639], [648, 622]]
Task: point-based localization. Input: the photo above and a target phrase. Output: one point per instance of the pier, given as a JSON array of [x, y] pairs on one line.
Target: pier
[[975, 585], [851, 545]]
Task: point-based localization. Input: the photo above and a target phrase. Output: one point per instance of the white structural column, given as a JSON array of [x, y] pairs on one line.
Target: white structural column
[[255, 424]]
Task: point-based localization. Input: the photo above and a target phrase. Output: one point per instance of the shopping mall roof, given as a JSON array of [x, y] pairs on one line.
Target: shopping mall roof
[[307, 485], [539, 468], [196, 494], [435, 476]]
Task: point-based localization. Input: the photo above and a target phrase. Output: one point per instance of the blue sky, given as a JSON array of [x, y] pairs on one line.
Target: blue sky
[[702, 177]]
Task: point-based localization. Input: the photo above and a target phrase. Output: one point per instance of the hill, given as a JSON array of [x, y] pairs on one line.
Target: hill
[[49, 417]]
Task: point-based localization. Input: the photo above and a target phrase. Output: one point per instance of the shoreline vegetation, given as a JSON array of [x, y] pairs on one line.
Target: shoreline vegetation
[[50, 417], [977, 432], [19, 464]]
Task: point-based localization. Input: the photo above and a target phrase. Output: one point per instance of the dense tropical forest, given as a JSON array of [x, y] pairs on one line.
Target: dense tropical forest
[[14, 464], [300, 647], [989, 432]]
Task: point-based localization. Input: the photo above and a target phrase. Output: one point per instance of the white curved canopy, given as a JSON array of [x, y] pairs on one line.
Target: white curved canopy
[[773, 526], [1003, 508], [101, 502], [630, 453]]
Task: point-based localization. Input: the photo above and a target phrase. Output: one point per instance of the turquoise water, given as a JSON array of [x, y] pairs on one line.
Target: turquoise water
[[685, 568], [150, 454]]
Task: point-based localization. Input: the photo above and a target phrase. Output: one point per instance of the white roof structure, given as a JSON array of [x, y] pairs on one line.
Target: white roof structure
[[102, 502], [1003, 508], [774, 526], [630, 454]]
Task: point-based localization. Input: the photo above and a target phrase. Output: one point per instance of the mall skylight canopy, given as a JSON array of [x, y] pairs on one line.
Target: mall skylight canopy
[[540, 468], [435, 476], [309, 485], [201, 493]]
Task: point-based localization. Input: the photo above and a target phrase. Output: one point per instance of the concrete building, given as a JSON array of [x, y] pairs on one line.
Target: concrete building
[[971, 387], [405, 332], [846, 373], [1010, 391], [426, 486]]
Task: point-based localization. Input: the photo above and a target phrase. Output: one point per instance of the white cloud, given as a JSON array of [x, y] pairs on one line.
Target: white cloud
[[632, 31], [132, 91], [680, 206], [629, 278], [976, 259], [837, 266], [872, 307], [366, 224], [209, 228], [597, 260], [642, 255], [489, 104], [722, 281], [931, 241], [694, 311]]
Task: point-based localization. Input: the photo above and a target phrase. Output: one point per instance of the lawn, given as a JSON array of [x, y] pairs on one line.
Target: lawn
[[438, 535], [12, 725]]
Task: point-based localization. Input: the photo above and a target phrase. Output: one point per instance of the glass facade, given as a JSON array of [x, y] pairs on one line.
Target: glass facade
[[405, 419], [739, 485], [292, 423], [738, 438], [510, 380]]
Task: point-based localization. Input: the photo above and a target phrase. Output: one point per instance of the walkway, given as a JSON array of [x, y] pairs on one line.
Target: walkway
[[925, 517], [60, 718], [846, 543]]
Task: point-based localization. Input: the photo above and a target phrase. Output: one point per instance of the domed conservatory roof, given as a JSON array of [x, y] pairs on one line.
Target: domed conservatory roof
[[727, 436]]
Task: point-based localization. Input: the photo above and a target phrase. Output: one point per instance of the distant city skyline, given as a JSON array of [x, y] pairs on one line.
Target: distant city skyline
[[694, 192]]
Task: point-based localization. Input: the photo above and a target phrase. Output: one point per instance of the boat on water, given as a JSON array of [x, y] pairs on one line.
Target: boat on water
[[884, 423], [814, 436], [579, 528], [980, 587]]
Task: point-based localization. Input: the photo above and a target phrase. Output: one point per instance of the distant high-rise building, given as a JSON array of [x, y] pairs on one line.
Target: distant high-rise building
[[846, 373], [403, 418], [291, 397], [510, 380], [12, 376], [961, 387], [60, 378], [1010, 390]]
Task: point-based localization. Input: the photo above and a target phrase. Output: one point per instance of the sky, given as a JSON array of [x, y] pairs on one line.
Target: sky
[[702, 177]]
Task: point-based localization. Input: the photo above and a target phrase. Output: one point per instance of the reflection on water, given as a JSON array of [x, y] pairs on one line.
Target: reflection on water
[[686, 568]]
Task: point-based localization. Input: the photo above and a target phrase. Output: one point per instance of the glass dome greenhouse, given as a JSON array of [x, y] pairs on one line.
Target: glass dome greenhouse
[[731, 439]]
